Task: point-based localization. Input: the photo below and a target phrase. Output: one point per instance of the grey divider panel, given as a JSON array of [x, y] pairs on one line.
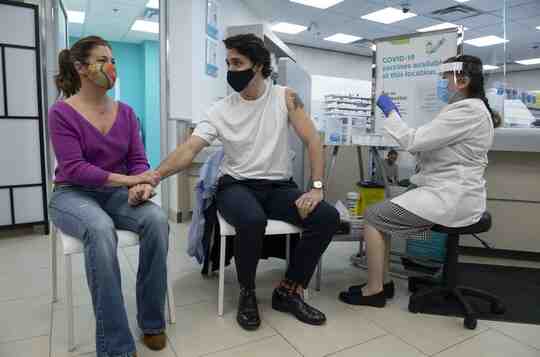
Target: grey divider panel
[[21, 82], [2, 109], [5, 208], [17, 26], [28, 203], [20, 154], [21, 117]]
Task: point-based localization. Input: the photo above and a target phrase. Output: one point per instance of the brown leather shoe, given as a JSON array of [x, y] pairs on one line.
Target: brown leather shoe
[[155, 342]]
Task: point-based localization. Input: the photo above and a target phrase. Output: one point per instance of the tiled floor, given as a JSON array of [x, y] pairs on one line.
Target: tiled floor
[[32, 327]]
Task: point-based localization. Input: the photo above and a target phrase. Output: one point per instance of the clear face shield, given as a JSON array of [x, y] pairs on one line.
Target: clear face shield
[[450, 69], [446, 71]]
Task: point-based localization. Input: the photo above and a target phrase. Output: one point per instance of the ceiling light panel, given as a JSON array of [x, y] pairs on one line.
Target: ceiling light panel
[[285, 27], [145, 26], [530, 61], [486, 41], [443, 26], [76, 17], [320, 4], [343, 38], [153, 4], [388, 15]]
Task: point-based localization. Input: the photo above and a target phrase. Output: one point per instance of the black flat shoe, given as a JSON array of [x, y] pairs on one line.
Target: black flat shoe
[[389, 289], [377, 300], [290, 302], [248, 312]]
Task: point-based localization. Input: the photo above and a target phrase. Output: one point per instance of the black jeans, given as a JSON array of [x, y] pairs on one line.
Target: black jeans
[[248, 204]]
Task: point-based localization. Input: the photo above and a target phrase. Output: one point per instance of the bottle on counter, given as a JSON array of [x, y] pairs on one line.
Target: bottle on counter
[[352, 203]]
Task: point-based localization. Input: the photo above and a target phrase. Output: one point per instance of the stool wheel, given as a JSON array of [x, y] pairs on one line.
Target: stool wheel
[[498, 308], [470, 323], [413, 286], [414, 307]]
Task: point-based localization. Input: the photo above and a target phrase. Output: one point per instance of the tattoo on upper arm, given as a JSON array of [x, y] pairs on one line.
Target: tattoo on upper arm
[[297, 102]]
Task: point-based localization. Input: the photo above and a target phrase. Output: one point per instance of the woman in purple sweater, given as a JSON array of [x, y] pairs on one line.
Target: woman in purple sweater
[[103, 183]]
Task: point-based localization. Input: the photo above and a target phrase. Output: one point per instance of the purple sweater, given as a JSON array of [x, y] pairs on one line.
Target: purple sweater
[[85, 156]]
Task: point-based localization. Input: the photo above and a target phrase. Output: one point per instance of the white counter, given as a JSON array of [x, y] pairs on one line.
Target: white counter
[[517, 139]]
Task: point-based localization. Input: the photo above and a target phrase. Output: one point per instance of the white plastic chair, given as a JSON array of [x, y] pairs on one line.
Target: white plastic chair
[[72, 246], [273, 227]]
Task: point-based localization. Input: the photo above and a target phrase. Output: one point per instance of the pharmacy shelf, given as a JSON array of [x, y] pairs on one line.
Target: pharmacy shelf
[[348, 108], [338, 96], [365, 103], [347, 114]]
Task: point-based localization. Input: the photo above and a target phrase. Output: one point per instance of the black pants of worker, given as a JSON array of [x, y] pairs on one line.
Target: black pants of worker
[[248, 204]]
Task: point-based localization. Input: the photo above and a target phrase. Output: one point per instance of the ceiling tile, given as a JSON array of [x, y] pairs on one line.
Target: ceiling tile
[[425, 7], [481, 21], [532, 22], [414, 23], [332, 46], [520, 43], [371, 30], [137, 37], [496, 30], [79, 5], [488, 55], [487, 5], [75, 30], [525, 11], [104, 14], [355, 8]]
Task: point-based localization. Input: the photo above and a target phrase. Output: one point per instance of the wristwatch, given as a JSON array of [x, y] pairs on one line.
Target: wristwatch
[[318, 185]]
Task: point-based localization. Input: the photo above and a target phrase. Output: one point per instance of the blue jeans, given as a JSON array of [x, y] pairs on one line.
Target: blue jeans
[[93, 215]]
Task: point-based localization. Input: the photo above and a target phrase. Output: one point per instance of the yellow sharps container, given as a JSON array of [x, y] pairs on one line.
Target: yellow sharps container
[[369, 193]]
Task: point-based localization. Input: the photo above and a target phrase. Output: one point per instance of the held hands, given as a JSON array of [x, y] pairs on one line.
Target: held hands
[[386, 104], [140, 193], [149, 177], [308, 202]]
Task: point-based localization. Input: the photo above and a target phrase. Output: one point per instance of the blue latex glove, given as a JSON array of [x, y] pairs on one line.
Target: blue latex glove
[[386, 104]]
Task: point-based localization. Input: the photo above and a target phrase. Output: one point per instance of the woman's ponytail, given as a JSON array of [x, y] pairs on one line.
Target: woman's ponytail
[[67, 80], [495, 117]]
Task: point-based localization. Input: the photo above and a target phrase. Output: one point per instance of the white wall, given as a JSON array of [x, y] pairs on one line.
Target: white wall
[[191, 91], [207, 89], [333, 64], [180, 64]]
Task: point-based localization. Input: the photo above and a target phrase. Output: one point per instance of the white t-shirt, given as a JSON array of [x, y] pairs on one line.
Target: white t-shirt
[[254, 134]]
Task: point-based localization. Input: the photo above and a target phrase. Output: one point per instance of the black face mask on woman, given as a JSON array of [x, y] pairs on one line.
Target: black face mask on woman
[[239, 80]]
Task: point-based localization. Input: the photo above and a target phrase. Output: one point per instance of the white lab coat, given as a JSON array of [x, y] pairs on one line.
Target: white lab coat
[[452, 154]]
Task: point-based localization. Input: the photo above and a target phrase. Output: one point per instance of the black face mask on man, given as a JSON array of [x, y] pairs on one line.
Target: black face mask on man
[[239, 80]]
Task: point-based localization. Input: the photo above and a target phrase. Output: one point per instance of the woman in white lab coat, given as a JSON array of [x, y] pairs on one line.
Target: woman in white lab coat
[[449, 188]]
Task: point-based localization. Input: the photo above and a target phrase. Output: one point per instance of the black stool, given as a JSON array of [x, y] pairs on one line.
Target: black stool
[[449, 286]]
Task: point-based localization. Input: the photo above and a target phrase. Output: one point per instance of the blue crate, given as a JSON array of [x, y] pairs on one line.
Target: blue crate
[[433, 249]]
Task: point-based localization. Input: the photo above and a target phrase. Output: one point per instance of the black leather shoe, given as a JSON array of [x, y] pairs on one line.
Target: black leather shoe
[[285, 300], [248, 312], [389, 289], [377, 300]]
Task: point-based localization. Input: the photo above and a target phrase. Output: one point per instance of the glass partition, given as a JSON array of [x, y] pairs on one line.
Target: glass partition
[[510, 51]]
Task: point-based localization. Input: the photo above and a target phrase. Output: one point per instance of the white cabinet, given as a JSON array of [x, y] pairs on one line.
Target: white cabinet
[[5, 208]]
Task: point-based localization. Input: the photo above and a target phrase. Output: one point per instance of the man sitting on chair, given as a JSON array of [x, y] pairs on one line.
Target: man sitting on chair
[[256, 184]]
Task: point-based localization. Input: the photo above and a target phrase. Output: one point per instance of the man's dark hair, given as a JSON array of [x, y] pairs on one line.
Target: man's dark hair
[[253, 48], [392, 152]]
